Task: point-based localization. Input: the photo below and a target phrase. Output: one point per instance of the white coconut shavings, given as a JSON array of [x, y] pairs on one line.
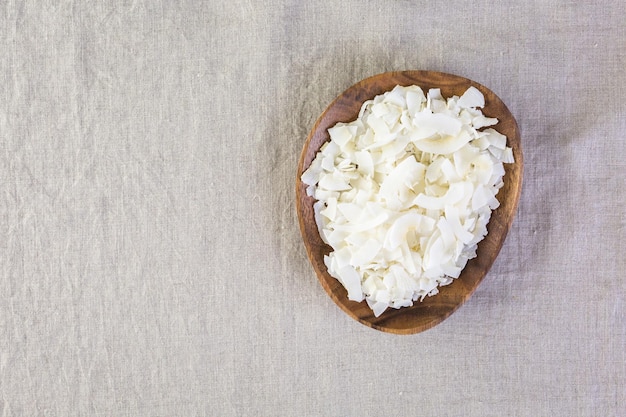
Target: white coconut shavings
[[404, 193]]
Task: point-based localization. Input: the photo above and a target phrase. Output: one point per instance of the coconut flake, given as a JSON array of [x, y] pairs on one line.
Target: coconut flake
[[472, 98]]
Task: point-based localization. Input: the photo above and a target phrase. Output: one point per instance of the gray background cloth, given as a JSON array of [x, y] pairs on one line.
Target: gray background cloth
[[150, 257]]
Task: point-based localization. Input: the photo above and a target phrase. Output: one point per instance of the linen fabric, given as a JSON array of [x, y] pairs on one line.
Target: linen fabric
[[151, 262]]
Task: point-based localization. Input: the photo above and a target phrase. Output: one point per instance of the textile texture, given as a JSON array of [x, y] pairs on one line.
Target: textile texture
[[151, 262]]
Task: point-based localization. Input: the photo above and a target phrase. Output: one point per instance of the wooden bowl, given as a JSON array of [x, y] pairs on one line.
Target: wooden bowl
[[432, 310]]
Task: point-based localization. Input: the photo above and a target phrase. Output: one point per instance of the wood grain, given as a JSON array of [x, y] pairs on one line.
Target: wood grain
[[433, 310]]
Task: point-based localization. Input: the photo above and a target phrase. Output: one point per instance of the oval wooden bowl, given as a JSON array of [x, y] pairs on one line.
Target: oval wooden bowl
[[433, 310]]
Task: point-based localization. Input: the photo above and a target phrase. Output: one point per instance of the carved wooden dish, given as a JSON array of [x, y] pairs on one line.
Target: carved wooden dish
[[433, 310]]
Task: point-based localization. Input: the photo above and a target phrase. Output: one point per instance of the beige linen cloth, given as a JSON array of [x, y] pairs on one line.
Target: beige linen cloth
[[150, 258]]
